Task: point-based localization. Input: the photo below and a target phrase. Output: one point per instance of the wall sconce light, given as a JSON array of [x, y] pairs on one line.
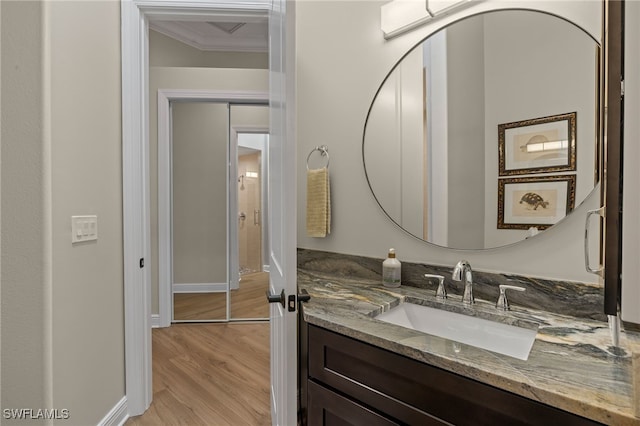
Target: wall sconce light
[[400, 16]]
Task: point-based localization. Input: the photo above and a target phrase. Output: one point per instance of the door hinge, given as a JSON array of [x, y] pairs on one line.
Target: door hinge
[[622, 88]]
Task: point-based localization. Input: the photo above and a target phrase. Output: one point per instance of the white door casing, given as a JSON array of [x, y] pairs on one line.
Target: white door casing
[[135, 16]]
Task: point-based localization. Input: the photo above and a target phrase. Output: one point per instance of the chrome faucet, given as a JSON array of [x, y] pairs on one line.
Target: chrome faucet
[[462, 272]]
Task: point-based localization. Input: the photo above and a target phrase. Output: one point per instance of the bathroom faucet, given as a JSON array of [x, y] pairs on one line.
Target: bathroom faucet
[[462, 272]]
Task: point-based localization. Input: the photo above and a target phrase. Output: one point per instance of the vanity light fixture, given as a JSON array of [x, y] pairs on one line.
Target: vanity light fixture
[[400, 16]]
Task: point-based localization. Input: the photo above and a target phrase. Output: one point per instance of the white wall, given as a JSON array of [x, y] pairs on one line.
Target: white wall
[[26, 342], [565, 83], [338, 73], [62, 316], [466, 152], [167, 52]]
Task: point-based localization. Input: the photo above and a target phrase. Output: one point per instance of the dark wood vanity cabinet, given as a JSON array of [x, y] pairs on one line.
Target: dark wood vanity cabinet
[[349, 382]]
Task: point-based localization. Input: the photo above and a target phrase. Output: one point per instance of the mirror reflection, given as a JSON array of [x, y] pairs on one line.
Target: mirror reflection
[[250, 134], [219, 243], [486, 133], [199, 218]]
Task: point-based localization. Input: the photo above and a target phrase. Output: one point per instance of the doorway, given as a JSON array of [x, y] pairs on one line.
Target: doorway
[[216, 242], [136, 15]]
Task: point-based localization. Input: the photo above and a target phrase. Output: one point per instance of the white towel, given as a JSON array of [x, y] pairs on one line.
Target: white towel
[[318, 203]]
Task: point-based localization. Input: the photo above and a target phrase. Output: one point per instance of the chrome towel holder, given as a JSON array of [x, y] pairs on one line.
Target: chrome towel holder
[[324, 151]]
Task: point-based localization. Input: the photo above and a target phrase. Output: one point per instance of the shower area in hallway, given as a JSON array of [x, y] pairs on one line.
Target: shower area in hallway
[[250, 203], [253, 263]]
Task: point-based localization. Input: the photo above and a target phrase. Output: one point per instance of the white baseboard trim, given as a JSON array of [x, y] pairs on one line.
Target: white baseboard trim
[[200, 288], [155, 320], [118, 415]]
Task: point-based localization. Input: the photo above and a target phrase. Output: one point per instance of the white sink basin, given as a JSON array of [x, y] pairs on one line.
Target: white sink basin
[[494, 336]]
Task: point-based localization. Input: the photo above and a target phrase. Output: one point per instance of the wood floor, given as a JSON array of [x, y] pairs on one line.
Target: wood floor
[[249, 301], [209, 374]]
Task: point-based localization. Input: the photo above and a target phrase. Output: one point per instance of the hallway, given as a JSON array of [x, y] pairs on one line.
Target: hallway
[[209, 374]]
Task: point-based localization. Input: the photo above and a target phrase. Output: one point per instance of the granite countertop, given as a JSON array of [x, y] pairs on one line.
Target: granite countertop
[[571, 366]]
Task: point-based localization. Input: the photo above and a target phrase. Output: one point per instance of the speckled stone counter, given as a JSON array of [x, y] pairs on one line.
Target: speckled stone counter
[[571, 365]]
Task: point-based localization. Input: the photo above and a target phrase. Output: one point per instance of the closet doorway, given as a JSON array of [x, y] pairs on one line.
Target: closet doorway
[[218, 191]]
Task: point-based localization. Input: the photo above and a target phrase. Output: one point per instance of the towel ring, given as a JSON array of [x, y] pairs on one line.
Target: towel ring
[[324, 151]]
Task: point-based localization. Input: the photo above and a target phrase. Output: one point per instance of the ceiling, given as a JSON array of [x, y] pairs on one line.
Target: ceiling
[[221, 36]]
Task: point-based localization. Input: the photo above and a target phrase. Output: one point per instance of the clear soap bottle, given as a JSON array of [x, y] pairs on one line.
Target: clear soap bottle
[[391, 268]]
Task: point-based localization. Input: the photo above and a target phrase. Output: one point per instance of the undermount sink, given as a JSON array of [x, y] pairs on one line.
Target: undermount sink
[[506, 339]]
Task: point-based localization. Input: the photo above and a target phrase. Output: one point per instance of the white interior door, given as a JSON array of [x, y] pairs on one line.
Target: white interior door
[[282, 214]]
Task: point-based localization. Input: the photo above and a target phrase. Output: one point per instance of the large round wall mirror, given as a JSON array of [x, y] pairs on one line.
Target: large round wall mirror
[[487, 132]]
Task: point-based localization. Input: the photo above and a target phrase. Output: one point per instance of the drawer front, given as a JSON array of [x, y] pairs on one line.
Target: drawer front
[[416, 393], [327, 408]]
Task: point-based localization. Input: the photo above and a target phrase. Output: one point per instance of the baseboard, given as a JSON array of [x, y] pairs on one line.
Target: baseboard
[[200, 288], [155, 320], [118, 414]]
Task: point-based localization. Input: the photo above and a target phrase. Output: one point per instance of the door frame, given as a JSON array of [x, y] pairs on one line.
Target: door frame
[[135, 17], [165, 235]]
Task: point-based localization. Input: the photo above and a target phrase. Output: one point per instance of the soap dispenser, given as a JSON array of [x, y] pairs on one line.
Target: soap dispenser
[[391, 268]]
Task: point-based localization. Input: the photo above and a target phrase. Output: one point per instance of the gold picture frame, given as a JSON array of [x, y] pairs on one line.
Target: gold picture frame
[[539, 145], [535, 202]]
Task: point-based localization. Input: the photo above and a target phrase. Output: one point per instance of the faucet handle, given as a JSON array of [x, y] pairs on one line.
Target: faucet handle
[[503, 302], [441, 292]]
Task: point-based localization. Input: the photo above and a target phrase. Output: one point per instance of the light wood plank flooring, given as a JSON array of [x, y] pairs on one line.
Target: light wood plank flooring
[[209, 374], [249, 301]]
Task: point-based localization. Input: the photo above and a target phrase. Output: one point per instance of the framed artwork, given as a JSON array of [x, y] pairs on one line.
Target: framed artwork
[[538, 202], [539, 145]]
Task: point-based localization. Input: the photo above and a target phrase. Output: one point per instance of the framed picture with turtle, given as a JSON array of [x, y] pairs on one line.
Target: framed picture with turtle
[[539, 145], [535, 202]]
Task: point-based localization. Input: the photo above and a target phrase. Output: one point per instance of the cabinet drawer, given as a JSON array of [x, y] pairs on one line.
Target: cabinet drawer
[[327, 408], [417, 393]]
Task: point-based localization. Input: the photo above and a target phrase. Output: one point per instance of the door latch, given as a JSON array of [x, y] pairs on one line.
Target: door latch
[[281, 298], [303, 296]]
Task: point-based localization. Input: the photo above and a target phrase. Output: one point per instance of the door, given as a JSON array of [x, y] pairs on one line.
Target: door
[[282, 213]]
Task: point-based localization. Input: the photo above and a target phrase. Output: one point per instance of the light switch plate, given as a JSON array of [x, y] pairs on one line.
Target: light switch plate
[[84, 228]]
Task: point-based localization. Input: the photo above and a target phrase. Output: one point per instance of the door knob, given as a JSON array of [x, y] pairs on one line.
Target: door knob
[[277, 298]]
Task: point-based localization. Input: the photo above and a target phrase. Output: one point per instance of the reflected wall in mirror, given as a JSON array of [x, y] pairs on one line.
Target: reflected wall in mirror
[[199, 210], [430, 145]]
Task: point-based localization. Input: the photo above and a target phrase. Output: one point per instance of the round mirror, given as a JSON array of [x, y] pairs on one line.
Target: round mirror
[[486, 132]]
